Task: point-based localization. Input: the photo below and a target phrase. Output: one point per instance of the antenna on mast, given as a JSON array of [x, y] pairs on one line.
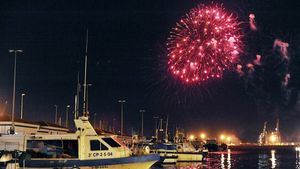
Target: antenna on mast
[[77, 97], [85, 112], [166, 132], [277, 125]]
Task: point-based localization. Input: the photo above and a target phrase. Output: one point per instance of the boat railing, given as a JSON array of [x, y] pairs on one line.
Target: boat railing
[[10, 146]]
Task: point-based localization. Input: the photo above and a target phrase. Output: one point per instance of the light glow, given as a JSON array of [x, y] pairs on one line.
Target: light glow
[[273, 138], [203, 136], [222, 137], [192, 137]]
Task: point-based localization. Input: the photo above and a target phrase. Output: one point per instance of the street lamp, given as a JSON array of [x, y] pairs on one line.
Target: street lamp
[[142, 111], [192, 137], [122, 102], [67, 116], [203, 136], [222, 137], [15, 51], [22, 104]]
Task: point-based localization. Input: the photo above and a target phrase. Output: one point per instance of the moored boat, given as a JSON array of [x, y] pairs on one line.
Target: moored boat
[[82, 149], [166, 151], [187, 153]]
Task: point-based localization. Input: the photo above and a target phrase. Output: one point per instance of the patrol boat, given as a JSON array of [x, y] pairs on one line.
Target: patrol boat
[[82, 149]]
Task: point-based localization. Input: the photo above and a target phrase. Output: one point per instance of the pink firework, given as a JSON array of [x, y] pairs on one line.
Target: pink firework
[[204, 44]]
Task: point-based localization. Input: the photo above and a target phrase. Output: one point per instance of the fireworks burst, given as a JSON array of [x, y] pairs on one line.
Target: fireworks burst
[[204, 44]]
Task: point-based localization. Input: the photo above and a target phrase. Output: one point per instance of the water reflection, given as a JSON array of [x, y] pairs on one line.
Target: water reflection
[[273, 159], [223, 165], [222, 161], [229, 159], [262, 161], [297, 157]]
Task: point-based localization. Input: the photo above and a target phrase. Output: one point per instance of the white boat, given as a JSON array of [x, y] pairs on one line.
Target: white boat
[[82, 149], [185, 150], [187, 153], [166, 151]]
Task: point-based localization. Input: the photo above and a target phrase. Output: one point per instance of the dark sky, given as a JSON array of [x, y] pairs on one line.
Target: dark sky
[[127, 56]]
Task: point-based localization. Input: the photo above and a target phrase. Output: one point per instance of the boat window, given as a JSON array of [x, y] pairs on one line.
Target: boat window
[[111, 142], [52, 148], [97, 145]]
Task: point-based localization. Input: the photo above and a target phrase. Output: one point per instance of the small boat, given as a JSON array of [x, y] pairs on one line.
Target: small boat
[[166, 151], [82, 149], [171, 152], [213, 146], [187, 153]]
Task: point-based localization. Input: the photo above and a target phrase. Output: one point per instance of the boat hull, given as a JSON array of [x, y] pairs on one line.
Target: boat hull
[[189, 157], [166, 158], [134, 162]]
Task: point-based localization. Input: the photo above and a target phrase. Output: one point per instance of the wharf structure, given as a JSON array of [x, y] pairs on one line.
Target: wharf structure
[[30, 128], [270, 138]]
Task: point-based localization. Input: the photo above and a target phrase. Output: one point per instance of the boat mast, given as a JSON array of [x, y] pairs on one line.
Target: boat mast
[[77, 98], [166, 132], [85, 112]]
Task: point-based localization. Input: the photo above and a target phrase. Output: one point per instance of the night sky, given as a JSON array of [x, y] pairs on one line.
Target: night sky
[[127, 60]]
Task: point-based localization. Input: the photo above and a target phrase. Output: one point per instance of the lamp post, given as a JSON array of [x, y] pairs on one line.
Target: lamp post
[[15, 51], [122, 118], [156, 130], [56, 122], [142, 111], [22, 104], [113, 126], [67, 116]]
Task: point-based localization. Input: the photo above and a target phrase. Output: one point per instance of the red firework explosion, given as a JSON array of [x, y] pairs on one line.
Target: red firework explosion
[[204, 44]]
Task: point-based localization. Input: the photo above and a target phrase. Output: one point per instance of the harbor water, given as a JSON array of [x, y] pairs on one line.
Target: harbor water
[[274, 159]]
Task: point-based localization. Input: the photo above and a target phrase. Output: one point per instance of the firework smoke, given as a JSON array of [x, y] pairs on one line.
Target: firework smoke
[[267, 80]]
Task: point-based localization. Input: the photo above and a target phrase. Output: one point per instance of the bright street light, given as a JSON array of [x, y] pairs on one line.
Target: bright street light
[[203, 136], [15, 51]]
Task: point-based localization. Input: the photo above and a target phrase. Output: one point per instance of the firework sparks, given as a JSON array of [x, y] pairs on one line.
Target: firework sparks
[[250, 66], [286, 79], [239, 70], [283, 48], [252, 22], [257, 60], [204, 44]]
